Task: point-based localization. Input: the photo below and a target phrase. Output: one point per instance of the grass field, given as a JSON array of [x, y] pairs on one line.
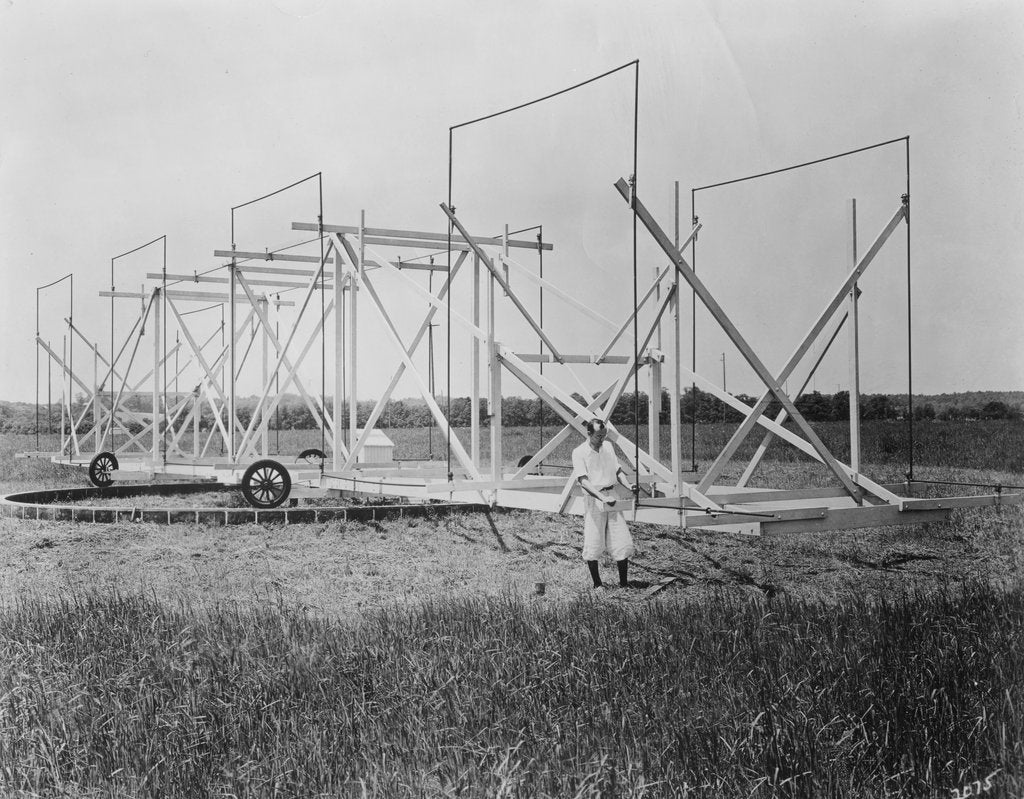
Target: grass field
[[414, 659]]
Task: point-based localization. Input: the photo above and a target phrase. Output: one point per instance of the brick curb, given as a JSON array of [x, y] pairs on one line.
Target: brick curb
[[46, 505]]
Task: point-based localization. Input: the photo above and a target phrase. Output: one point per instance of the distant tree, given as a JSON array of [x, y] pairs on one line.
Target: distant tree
[[995, 410], [841, 405], [877, 406], [814, 407], [924, 412], [951, 413]]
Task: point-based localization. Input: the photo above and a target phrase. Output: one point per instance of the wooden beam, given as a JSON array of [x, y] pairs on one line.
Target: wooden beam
[[289, 284], [190, 296], [773, 385], [945, 503], [563, 295], [270, 256], [381, 404], [415, 234], [504, 285], [423, 267], [535, 357]]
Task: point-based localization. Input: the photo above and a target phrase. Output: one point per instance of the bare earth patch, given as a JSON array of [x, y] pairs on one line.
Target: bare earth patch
[[339, 569]]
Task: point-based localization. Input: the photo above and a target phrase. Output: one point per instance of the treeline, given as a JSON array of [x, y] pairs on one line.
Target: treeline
[[695, 405]]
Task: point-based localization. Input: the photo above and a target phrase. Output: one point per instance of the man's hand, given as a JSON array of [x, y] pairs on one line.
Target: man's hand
[[609, 500]]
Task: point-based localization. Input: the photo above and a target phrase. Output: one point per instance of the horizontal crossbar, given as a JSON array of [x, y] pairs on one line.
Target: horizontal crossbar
[[415, 234]]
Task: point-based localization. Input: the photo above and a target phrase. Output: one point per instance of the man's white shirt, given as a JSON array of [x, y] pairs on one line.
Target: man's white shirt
[[601, 466]]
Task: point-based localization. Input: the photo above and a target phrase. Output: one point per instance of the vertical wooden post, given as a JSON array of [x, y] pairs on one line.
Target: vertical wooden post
[[357, 279], [339, 364], [854, 339], [157, 421], [232, 280], [654, 405], [474, 399], [96, 397], [197, 412], [494, 399], [676, 376], [265, 437], [49, 396], [63, 388], [504, 255]]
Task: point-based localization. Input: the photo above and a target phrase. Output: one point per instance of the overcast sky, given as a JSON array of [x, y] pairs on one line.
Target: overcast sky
[[126, 121]]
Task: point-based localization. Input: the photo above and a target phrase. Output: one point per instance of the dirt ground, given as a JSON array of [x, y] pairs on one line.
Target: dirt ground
[[340, 569]]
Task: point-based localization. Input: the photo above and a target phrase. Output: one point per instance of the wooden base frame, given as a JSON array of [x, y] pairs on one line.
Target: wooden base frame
[[334, 301]]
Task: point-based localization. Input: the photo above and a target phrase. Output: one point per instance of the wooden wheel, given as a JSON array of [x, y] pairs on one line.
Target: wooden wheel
[[266, 484], [100, 469]]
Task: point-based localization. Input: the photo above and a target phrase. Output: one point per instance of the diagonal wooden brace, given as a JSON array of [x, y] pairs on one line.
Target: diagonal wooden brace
[[502, 282], [774, 387]]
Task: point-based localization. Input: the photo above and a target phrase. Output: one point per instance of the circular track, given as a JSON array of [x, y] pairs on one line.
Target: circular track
[[266, 484], [100, 468]]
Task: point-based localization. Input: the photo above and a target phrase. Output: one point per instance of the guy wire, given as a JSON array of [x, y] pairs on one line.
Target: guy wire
[[636, 91]]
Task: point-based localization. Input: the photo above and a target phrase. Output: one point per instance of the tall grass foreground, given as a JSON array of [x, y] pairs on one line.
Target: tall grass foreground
[[103, 694]]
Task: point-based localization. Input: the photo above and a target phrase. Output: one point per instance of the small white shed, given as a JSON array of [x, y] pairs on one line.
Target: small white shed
[[378, 448]]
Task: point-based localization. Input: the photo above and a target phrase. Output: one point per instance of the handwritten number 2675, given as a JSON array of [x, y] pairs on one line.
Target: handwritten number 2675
[[976, 788]]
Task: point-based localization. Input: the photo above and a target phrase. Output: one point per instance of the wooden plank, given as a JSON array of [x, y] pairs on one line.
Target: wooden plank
[[534, 357], [474, 329], [562, 403], [474, 372], [850, 518], [416, 234], [773, 385], [662, 584], [563, 295], [725, 496], [190, 296], [734, 516], [442, 420], [977, 501], [504, 285], [422, 267], [629, 319], [270, 256], [290, 284], [491, 485], [382, 401], [417, 244]]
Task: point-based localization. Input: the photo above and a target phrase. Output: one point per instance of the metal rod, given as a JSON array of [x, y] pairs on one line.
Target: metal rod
[[800, 166]]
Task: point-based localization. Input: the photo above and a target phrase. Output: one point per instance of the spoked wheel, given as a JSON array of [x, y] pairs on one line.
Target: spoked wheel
[[266, 484], [100, 469], [312, 456]]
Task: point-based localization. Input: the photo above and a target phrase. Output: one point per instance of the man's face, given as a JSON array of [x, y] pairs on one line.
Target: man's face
[[598, 437]]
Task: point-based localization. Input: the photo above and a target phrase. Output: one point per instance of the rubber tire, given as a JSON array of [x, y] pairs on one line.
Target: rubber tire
[[311, 453], [100, 468], [266, 484]]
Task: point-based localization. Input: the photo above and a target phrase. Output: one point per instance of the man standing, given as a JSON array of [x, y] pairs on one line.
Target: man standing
[[597, 470]]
